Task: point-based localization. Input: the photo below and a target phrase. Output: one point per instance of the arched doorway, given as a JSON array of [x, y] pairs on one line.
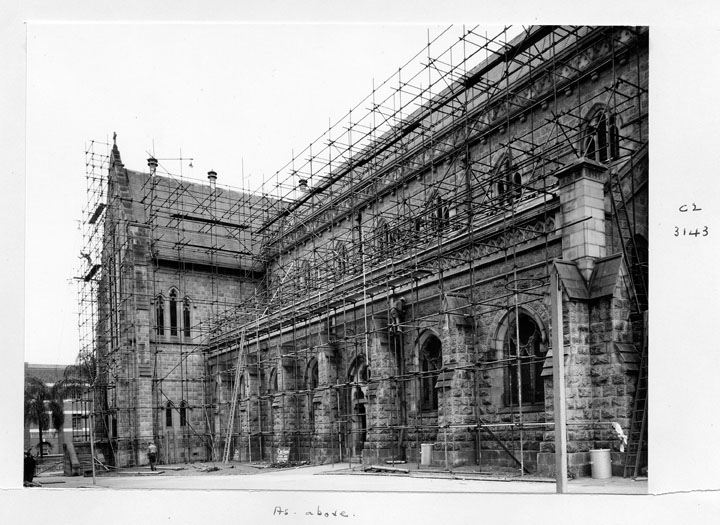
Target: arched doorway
[[357, 377], [429, 363]]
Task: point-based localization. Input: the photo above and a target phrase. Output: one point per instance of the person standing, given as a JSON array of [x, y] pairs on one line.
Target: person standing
[[152, 454], [29, 467]]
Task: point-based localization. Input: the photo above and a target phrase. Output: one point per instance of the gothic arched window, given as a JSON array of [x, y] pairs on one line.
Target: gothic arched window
[[273, 382], [441, 214], [382, 239], [186, 317], [430, 366], [341, 255], [169, 414], [160, 315], [173, 312], [602, 139], [517, 185], [183, 413], [529, 355], [508, 181], [312, 380], [358, 375]]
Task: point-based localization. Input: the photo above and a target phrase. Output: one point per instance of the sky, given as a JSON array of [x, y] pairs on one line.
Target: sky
[[239, 99]]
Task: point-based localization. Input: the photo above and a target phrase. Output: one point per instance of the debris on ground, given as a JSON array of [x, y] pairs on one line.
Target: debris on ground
[[382, 468], [289, 464], [206, 468], [395, 462]]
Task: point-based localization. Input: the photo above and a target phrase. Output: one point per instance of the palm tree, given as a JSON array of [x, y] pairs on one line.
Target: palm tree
[[39, 399], [36, 396], [73, 385]]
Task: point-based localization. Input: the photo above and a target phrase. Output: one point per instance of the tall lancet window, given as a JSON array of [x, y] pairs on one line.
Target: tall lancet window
[[173, 313], [160, 315], [186, 317]]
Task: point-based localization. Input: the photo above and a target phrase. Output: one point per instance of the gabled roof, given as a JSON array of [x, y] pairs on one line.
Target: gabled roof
[[603, 280], [48, 374], [605, 276], [193, 221], [628, 355], [547, 370], [571, 279]]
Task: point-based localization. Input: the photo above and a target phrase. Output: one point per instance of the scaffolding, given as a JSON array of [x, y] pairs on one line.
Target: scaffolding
[[353, 291]]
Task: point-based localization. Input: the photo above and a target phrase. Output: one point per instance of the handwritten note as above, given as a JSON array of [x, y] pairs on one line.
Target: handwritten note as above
[[317, 512]]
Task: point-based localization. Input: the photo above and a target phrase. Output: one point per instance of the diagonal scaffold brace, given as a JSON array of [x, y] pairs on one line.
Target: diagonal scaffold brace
[[233, 404]]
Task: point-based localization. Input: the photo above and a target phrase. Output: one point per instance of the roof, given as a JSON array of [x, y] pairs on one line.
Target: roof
[[195, 222], [547, 370], [48, 374], [603, 280], [605, 276], [628, 355], [571, 279]]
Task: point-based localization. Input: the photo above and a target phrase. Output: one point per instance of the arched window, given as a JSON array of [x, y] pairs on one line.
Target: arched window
[[169, 414], [183, 413], [441, 214], [530, 353], [312, 380], [341, 259], [173, 312], [430, 366], [358, 375], [602, 139], [313, 377], [517, 185], [305, 280], [241, 391], [160, 315], [382, 238], [186, 317], [273, 381], [508, 181]]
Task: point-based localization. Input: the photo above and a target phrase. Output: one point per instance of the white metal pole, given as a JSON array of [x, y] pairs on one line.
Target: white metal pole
[[92, 444], [558, 383]]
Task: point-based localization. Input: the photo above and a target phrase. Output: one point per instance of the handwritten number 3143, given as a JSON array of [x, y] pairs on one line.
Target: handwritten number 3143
[[695, 233]]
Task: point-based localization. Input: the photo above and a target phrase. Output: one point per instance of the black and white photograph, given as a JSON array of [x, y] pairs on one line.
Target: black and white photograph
[[308, 268]]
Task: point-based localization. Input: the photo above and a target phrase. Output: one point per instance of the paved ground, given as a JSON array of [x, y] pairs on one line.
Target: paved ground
[[338, 477]]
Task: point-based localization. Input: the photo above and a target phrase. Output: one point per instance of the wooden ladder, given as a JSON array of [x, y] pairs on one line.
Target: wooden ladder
[[637, 445], [626, 231]]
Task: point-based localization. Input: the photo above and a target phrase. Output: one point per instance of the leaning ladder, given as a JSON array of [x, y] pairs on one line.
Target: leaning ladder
[[637, 439], [233, 403], [626, 230]]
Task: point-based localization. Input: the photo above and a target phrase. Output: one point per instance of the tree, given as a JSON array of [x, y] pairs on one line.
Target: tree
[[73, 385], [37, 395], [41, 399]]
